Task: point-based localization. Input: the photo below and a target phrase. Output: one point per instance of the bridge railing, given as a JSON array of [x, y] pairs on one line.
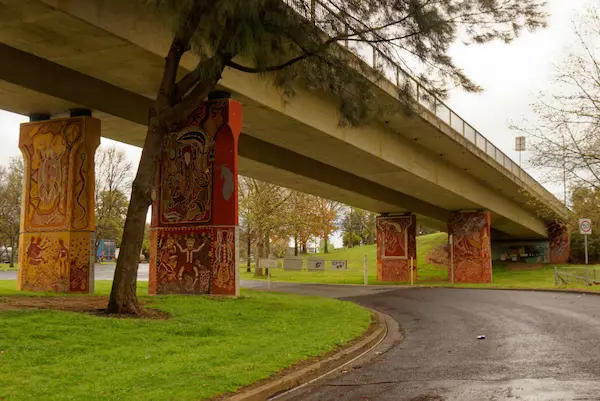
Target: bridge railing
[[321, 15]]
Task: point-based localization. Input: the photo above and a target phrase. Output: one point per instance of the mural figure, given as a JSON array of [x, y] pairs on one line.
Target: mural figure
[[186, 178], [224, 257], [62, 257], [35, 251]]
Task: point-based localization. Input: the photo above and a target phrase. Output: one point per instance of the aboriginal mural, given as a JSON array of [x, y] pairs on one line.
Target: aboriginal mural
[[186, 177], [559, 240], [396, 246], [471, 247], [193, 238], [57, 222]]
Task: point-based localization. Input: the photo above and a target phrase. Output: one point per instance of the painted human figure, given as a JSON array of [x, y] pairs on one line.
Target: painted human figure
[[61, 256], [224, 255], [35, 252], [188, 265]]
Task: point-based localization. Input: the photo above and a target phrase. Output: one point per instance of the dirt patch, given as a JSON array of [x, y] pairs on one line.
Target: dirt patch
[[94, 305], [438, 256], [524, 266]]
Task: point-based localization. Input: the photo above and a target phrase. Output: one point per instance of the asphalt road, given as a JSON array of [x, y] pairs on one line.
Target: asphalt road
[[538, 346]]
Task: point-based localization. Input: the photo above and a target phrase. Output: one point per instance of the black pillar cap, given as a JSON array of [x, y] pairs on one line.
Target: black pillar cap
[[80, 112], [39, 117], [214, 95]]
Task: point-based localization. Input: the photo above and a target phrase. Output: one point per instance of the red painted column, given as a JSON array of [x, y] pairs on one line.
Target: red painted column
[[193, 242], [471, 247], [559, 240], [396, 245]]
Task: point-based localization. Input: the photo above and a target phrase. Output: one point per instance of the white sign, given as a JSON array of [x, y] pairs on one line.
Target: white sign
[[267, 263], [316, 264], [339, 264], [292, 264], [585, 226]]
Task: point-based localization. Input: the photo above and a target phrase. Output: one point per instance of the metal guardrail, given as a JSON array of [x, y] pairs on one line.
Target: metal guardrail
[[320, 14], [580, 275]]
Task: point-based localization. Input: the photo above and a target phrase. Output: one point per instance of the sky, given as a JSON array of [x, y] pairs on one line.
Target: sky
[[511, 75]]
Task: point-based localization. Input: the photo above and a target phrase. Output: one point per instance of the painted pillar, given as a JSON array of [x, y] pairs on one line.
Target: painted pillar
[[56, 243], [559, 240], [194, 239], [396, 245], [471, 247]]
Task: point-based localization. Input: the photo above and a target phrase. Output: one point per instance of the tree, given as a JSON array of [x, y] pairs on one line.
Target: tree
[[360, 226], [325, 219], [11, 189], [566, 125], [585, 202], [263, 207], [271, 37], [113, 182]]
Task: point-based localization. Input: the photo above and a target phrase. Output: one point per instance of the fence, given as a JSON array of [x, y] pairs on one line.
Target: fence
[[328, 21], [311, 265], [576, 275]]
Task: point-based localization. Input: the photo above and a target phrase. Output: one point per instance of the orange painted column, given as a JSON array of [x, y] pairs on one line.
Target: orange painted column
[[194, 239], [396, 247], [57, 219], [471, 247]]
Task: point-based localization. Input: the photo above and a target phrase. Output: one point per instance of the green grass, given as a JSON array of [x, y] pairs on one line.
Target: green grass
[[428, 273], [355, 258], [6, 267], [207, 347]]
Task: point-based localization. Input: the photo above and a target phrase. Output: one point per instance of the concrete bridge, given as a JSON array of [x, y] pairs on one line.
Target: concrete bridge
[[108, 55]]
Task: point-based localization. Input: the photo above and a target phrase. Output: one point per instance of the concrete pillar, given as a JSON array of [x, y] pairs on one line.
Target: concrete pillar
[[471, 254], [194, 239], [396, 246], [559, 240], [57, 219]]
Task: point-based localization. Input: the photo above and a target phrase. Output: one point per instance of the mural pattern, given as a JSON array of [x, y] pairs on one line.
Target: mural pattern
[[193, 243], [559, 239], [186, 177], [396, 245], [58, 198], [55, 262], [471, 244]]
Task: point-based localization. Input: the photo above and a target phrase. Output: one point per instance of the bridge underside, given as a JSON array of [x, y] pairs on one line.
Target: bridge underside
[[108, 57]]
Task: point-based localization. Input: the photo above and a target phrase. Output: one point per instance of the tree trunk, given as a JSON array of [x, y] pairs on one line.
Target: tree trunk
[[326, 239], [123, 299], [295, 245], [248, 269], [267, 253], [260, 251], [12, 253]]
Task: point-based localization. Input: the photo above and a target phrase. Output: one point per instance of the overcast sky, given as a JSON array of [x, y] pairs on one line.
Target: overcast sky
[[511, 76]]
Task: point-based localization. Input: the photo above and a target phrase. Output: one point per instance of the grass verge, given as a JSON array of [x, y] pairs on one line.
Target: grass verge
[[208, 346]]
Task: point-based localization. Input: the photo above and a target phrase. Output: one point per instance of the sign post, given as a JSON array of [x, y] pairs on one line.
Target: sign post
[[585, 228]]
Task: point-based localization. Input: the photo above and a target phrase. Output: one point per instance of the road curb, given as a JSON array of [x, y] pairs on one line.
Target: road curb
[[317, 369], [555, 290]]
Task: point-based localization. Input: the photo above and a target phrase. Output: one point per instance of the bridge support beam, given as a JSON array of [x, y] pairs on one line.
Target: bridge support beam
[[193, 238], [57, 221], [559, 240], [396, 248], [470, 246]]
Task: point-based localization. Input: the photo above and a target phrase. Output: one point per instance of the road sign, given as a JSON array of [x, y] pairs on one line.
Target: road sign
[[520, 144], [585, 226]]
